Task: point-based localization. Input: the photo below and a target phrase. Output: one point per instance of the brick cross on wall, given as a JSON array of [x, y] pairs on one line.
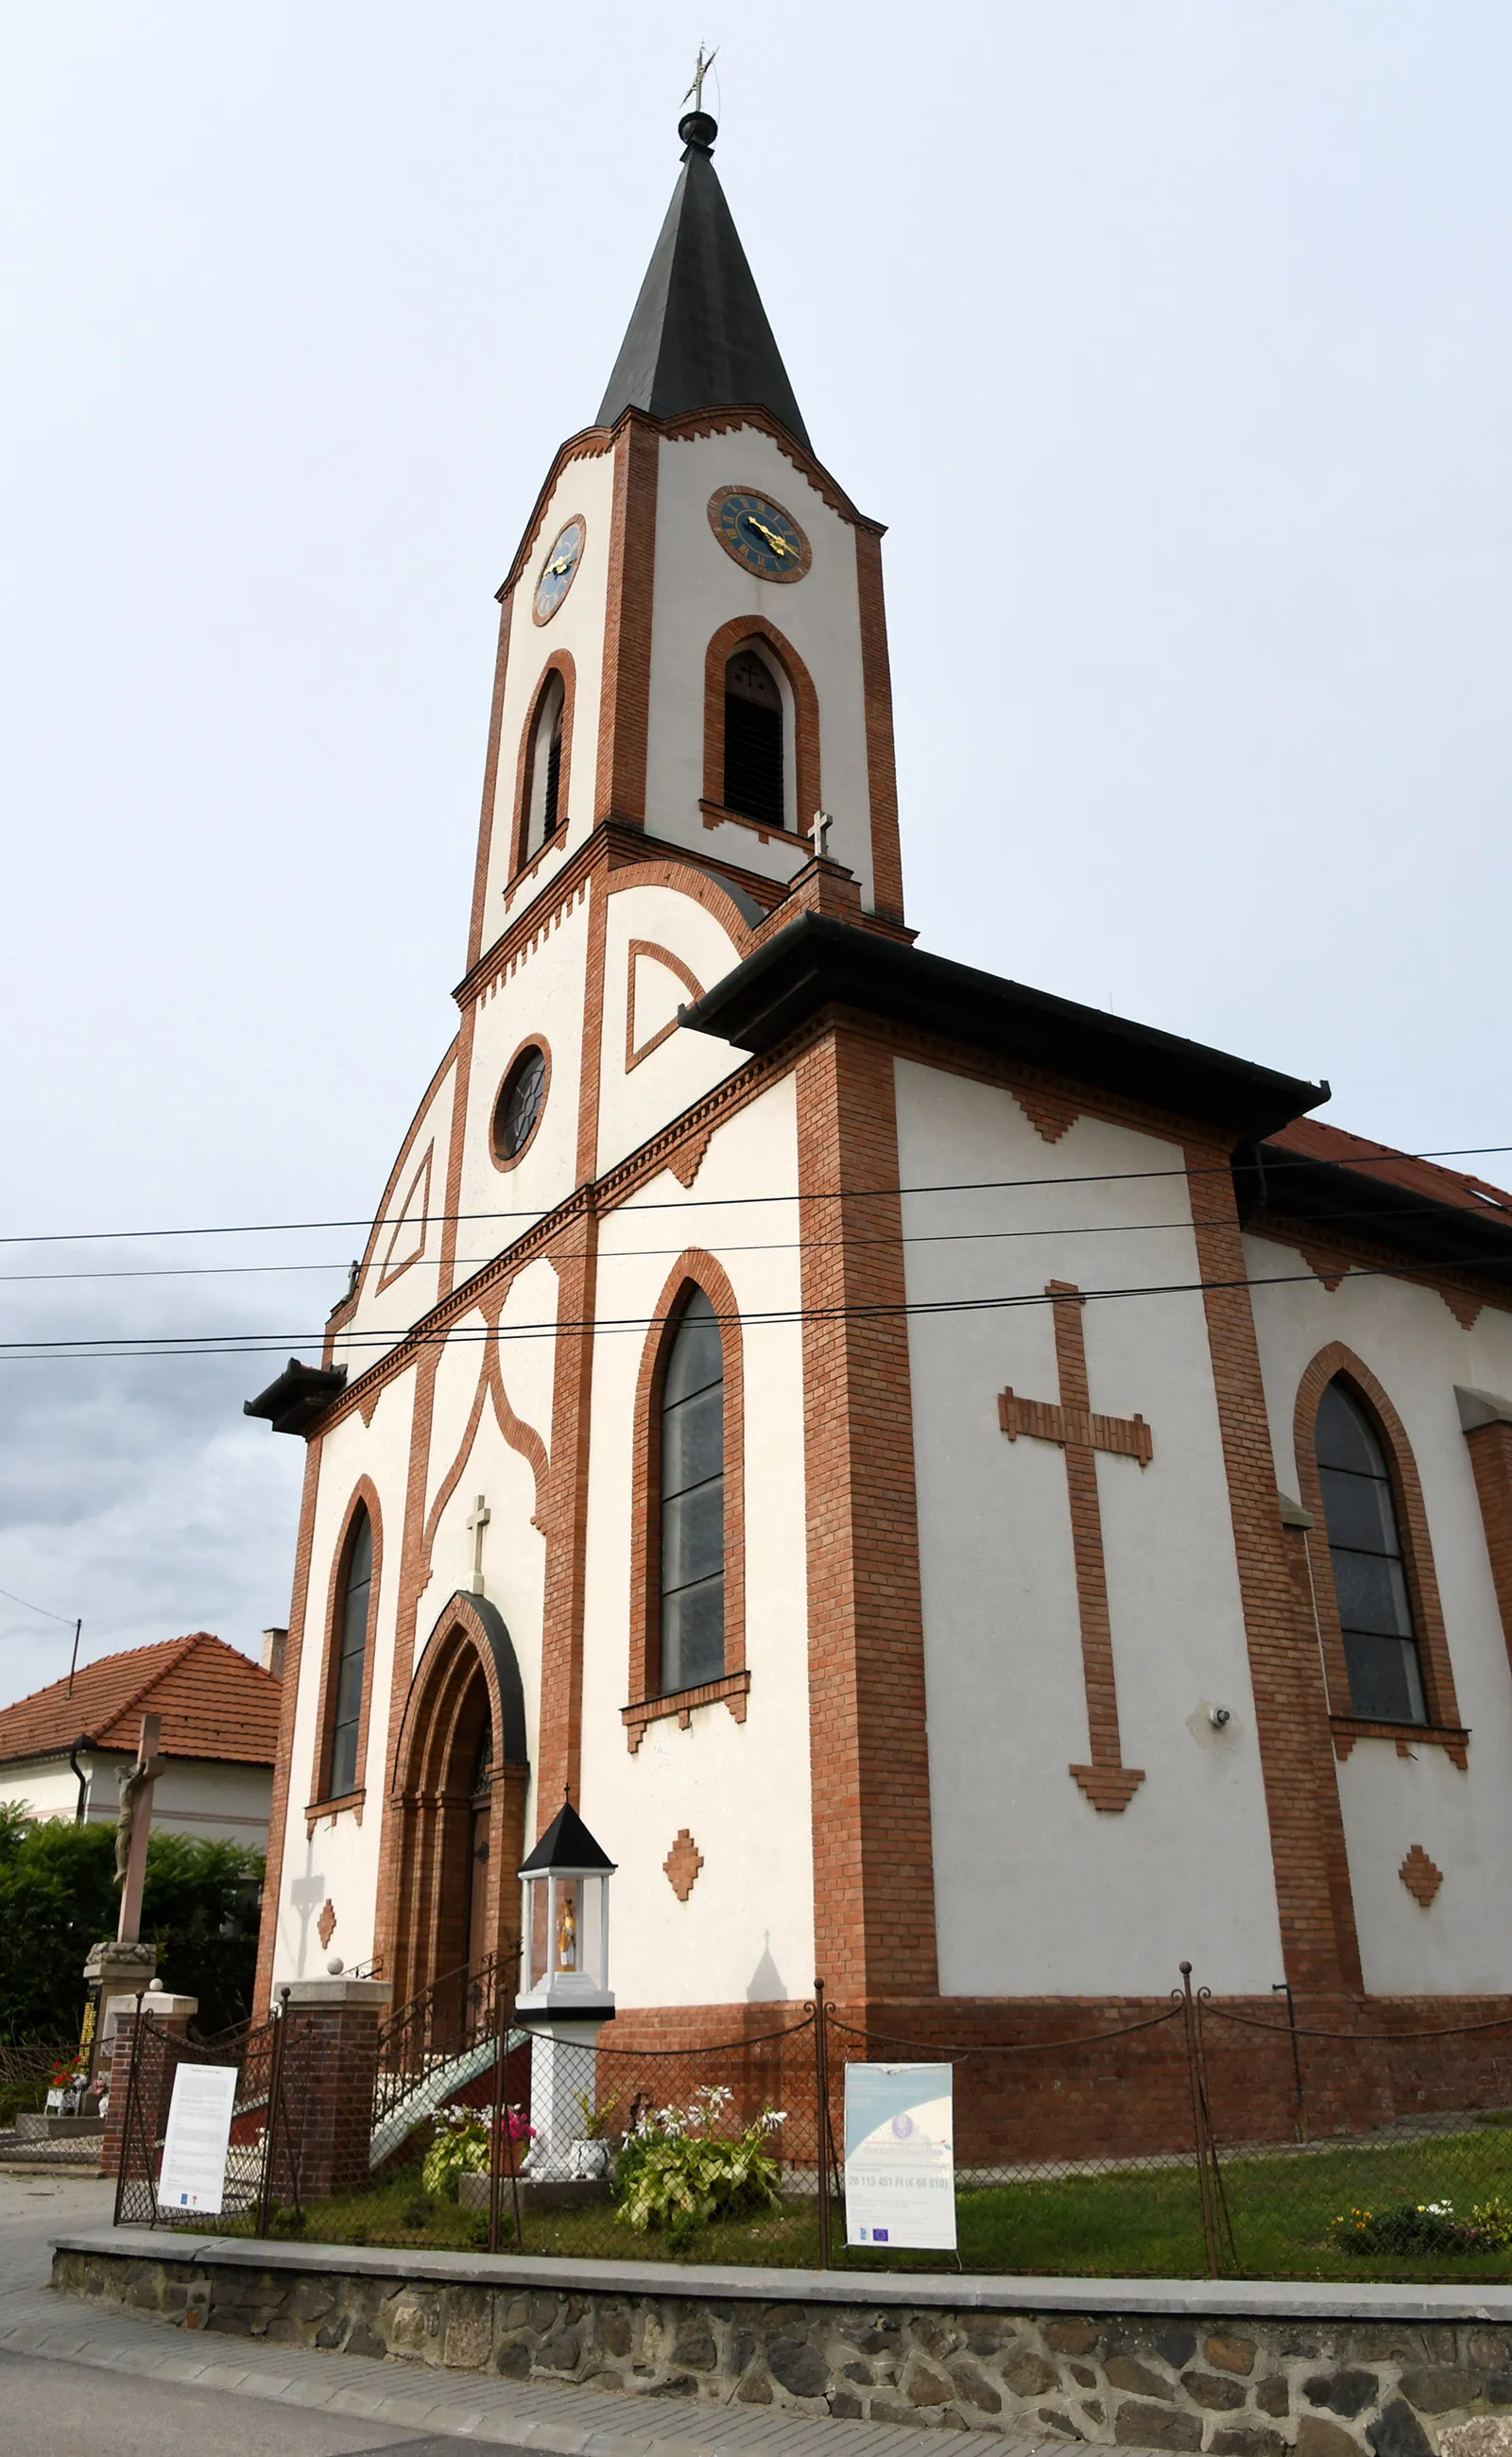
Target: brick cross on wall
[[1108, 1783]]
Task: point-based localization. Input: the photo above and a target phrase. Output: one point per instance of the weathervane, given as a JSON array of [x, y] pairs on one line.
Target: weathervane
[[695, 92]]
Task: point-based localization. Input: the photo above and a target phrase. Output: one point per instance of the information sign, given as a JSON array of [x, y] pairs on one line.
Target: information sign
[[899, 2155], [197, 2138]]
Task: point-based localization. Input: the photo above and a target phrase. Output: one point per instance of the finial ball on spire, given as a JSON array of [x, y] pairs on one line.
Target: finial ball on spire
[[698, 130]]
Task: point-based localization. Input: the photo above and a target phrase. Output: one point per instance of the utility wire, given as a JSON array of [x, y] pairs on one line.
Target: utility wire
[[106, 1347], [67, 1618], [723, 1202]]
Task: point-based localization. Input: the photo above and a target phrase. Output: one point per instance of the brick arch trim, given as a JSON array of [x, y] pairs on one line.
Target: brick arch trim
[[728, 637], [1412, 1527], [686, 880], [364, 1495], [519, 1436], [561, 662], [693, 1268], [464, 1622]]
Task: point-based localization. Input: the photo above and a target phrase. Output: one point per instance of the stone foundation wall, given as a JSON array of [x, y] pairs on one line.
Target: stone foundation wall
[[1236, 2388]]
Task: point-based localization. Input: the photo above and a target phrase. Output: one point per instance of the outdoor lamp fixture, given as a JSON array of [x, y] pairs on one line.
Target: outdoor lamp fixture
[[564, 1967]]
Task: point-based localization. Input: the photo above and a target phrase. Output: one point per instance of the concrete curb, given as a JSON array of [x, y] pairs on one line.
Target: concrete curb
[[1226, 2299]]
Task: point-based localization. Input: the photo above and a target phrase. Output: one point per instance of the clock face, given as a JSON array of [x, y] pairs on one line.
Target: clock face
[[559, 571], [759, 534]]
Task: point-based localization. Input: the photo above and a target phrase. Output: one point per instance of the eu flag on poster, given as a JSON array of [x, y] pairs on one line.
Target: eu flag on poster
[[899, 2155]]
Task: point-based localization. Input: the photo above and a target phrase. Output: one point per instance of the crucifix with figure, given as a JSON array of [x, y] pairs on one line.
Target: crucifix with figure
[[478, 1518], [1108, 1783], [134, 1819]]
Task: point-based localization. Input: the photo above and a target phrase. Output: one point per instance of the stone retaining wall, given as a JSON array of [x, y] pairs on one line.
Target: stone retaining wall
[[1250, 2388]]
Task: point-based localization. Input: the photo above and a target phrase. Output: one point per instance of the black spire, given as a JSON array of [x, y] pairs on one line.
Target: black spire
[[699, 336]]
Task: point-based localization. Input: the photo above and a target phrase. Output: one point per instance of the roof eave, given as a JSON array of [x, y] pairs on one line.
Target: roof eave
[[816, 962], [1446, 1236]]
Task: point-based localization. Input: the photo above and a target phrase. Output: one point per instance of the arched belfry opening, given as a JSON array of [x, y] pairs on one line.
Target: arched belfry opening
[[754, 761], [461, 1780]]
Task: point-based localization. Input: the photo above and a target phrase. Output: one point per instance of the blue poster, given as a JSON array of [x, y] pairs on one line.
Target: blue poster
[[899, 2155]]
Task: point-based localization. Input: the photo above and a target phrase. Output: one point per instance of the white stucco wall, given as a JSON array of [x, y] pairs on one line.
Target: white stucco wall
[[697, 587], [540, 998], [401, 1277], [746, 1932], [339, 1861], [1036, 1890], [212, 1798], [635, 1103], [586, 489], [1417, 1350]]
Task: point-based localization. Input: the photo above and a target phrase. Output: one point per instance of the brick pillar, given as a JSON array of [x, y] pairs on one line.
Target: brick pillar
[[170, 2014], [330, 2066]]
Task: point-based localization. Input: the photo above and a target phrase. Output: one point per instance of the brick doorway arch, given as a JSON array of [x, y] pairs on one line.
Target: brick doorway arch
[[458, 1811]]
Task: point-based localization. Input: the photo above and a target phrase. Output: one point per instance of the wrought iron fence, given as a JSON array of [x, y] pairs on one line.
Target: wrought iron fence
[[261, 2192]]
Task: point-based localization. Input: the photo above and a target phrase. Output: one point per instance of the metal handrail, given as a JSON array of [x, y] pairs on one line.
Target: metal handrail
[[443, 2025]]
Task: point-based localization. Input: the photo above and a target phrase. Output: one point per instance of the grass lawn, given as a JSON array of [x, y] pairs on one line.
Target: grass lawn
[[1131, 2222]]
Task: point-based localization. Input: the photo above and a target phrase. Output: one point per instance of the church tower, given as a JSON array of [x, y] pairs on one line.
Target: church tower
[[693, 641]]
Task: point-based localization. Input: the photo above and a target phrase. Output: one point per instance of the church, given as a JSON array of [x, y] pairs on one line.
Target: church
[[967, 1495]]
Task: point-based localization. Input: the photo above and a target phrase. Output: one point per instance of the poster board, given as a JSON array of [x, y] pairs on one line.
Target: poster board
[[899, 2155], [199, 2136]]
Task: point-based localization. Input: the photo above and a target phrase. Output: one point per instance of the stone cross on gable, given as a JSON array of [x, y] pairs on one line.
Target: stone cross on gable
[[1108, 1783], [477, 1520], [133, 1825]]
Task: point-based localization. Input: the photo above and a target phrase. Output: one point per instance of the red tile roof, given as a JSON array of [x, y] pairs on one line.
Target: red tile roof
[[1311, 1140], [213, 1702]]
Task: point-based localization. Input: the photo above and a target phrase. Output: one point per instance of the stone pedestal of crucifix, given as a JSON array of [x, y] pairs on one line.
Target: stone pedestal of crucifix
[[121, 1967]]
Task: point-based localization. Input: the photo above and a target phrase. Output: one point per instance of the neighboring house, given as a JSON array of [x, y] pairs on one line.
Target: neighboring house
[[62, 1747]]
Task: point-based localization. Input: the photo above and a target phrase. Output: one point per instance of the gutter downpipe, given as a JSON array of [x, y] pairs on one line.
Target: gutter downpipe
[[84, 1741]]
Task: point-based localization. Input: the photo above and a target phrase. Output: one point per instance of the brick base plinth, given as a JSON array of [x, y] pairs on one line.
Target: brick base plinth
[[331, 2062]]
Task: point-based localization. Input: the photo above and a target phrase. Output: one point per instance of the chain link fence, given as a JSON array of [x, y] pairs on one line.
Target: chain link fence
[[1194, 2139]]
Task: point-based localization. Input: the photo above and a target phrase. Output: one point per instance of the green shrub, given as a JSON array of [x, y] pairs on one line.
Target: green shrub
[[675, 2172], [59, 1897]]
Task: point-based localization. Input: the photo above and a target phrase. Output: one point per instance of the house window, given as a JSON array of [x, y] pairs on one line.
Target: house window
[[693, 1502], [351, 1640], [753, 740], [1370, 1583], [544, 815]]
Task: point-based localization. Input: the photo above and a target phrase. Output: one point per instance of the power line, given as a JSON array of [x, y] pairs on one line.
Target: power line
[[109, 1346], [723, 1202], [67, 1618]]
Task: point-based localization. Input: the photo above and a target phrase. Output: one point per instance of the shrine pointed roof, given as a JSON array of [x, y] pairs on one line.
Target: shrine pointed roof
[[699, 337], [212, 1703]]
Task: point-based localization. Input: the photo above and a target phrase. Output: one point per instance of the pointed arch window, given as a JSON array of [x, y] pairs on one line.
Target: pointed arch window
[[693, 1502], [1370, 1574], [754, 782], [543, 814], [351, 1654]]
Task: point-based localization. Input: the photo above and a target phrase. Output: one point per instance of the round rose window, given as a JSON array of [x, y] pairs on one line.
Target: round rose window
[[520, 1104]]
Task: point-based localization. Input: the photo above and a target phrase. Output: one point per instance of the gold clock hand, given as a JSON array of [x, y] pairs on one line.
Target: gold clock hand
[[563, 563], [778, 544]]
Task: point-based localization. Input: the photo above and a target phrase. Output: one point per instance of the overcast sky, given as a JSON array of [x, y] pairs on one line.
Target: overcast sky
[[1168, 336]]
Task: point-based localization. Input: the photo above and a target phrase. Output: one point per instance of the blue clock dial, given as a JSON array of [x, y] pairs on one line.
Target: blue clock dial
[[559, 571], [759, 534]]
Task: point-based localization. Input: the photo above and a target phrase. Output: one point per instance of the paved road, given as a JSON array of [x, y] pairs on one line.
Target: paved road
[[62, 2409], [53, 2409]]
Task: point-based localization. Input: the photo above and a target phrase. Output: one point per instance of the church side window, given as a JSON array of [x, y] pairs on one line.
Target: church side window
[[1375, 1611], [693, 1502], [752, 739], [351, 1641], [543, 814]]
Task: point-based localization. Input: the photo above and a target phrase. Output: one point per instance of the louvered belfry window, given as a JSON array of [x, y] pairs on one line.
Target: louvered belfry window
[[543, 814], [693, 1502], [752, 739], [1370, 1579], [351, 1638]]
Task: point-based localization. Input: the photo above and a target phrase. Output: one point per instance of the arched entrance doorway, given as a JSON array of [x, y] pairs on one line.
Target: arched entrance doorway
[[461, 1779]]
